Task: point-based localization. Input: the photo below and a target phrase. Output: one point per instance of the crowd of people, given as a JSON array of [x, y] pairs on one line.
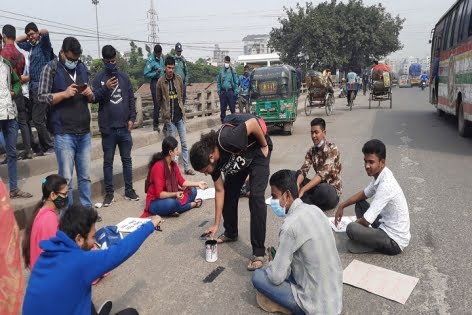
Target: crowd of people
[[302, 275]]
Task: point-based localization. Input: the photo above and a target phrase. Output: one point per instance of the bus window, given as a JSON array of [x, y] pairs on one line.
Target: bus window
[[459, 18], [451, 32], [463, 30], [446, 33]]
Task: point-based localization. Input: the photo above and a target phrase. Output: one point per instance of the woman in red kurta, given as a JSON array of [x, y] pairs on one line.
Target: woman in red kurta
[[168, 192]]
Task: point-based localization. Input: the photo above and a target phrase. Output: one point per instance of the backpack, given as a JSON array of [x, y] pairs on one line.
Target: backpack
[[235, 120]]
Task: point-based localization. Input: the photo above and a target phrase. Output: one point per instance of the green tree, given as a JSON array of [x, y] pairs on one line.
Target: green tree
[[337, 34], [201, 71]]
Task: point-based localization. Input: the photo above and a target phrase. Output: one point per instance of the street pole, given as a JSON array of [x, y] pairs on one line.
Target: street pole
[[95, 2]]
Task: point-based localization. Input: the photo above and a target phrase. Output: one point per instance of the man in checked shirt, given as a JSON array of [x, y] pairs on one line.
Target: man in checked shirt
[[325, 188]]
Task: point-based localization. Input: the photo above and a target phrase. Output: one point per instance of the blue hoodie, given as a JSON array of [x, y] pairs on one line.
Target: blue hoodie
[[61, 280]]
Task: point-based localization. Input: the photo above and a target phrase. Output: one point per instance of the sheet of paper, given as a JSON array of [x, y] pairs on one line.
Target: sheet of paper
[[205, 194], [380, 281], [342, 224], [129, 225]]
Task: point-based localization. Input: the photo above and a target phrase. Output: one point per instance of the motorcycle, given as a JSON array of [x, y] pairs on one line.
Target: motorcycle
[[423, 85]]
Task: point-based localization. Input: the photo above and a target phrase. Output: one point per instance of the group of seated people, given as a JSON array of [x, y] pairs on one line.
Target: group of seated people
[[304, 275]]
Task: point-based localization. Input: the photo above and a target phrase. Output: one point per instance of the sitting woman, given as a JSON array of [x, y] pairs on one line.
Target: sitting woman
[[168, 193]]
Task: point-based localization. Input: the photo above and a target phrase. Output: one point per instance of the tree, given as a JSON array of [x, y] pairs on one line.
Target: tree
[[336, 34]]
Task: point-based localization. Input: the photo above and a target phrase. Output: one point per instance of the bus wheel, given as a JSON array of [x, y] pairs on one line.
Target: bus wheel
[[464, 126]]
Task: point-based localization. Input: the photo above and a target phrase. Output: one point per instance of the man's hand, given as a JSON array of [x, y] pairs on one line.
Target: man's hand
[[130, 125], [24, 79], [212, 231], [179, 195], [202, 185], [265, 151], [156, 220], [112, 83], [339, 215], [71, 91], [88, 93]]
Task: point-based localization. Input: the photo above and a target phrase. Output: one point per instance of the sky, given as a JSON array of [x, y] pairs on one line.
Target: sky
[[197, 25]]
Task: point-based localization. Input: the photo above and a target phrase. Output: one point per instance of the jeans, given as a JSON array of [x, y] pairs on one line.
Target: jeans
[[373, 237], [171, 130], [75, 151], [157, 106], [168, 206], [280, 294], [120, 137], [227, 98], [10, 134], [23, 122], [39, 112], [323, 195]]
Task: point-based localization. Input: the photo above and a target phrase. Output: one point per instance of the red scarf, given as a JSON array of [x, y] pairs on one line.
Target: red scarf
[[172, 184]]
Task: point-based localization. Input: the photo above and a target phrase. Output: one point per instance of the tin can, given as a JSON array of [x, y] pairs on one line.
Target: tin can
[[211, 251]]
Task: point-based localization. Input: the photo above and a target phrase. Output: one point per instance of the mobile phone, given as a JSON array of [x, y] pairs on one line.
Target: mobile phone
[[81, 87]]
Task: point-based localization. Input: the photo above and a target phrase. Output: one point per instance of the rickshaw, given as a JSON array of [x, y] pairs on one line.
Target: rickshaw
[[381, 90], [319, 94], [274, 96]]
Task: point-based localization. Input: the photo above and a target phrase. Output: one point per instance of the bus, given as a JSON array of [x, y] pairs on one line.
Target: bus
[[451, 55]]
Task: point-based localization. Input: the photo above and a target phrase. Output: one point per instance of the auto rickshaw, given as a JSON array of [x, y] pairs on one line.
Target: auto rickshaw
[[274, 96]]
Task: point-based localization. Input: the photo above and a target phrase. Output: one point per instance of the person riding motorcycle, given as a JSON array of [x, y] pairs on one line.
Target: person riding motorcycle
[[424, 79]]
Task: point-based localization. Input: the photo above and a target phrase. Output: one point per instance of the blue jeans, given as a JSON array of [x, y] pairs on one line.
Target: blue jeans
[[227, 99], [280, 294], [171, 130], [120, 137], [10, 133], [75, 151], [169, 206]]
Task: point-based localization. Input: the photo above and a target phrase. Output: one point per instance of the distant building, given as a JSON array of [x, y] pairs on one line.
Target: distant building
[[257, 44], [218, 55]]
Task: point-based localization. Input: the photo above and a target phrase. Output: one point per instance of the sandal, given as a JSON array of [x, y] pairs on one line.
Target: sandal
[[189, 172], [254, 259], [17, 193], [224, 239], [198, 203]]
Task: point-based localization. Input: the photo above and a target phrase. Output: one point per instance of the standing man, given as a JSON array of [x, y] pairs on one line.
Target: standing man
[[387, 214], [170, 99], [245, 87], [154, 70], [37, 42], [116, 117], [10, 88], [181, 69], [227, 88], [64, 87], [326, 187], [17, 61]]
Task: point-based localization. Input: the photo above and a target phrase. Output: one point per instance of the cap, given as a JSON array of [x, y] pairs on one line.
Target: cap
[[178, 47]]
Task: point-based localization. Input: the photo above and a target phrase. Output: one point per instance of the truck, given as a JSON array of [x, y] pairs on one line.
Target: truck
[[414, 74]]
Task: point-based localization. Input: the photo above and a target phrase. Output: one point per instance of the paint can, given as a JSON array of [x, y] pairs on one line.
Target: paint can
[[211, 251]]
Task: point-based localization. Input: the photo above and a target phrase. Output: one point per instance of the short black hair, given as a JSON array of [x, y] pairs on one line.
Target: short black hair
[[285, 180], [108, 52], [157, 49], [319, 122], [9, 31], [1, 38], [169, 61], [227, 58], [31, 27], [246, 67], [78, 220], [376, 147], [71, 44], [201, 150]]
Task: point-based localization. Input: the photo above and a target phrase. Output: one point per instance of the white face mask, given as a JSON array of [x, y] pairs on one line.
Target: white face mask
[[320, 144], [176, 158], [226, 65]]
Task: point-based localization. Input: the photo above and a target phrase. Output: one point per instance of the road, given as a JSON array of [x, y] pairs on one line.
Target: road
[[431, 163]]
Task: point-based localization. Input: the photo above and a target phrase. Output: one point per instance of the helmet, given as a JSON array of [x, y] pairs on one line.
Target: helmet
[[178, 47]]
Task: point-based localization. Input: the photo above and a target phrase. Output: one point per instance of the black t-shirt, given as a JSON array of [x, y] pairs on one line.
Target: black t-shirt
[[237, 150], [174, 102]]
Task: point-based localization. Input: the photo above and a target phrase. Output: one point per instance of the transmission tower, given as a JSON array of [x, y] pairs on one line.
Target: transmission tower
[[152, 25]]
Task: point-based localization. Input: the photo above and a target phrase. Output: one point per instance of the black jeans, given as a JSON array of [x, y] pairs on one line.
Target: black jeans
[[120, 137], [323, 195], [39, 112], [371, 237], [24, 122], [258, 173], [157, 106], [227, 99], [127, 311]]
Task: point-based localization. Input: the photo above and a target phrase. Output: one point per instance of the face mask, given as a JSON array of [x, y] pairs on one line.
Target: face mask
[[178, 56], [277, 208], [110, 68], [176, 158], [320, 144], [227, 65], [61, 202], [70, 64]]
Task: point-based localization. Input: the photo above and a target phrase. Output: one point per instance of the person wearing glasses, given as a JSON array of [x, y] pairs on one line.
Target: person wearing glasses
[[116, 117]]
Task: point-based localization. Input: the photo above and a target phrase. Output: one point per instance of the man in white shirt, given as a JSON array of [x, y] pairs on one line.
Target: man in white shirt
[[387, 214]]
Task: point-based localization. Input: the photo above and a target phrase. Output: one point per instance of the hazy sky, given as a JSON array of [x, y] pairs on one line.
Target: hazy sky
[[198, 24]]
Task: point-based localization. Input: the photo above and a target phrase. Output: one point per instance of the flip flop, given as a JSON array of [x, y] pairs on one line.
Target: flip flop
[[254, 258], [198, 203], [224, 239]]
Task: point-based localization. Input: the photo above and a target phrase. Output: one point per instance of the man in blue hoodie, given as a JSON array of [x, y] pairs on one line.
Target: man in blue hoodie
[[116, 116], [154, 70], [61, 280]]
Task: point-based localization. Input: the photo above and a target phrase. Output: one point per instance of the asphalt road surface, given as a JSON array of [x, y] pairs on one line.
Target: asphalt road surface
[[428, 158]]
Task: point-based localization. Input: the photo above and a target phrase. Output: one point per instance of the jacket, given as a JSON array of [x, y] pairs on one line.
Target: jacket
[[61, 281], [223, 78], [9, 81], [152, 65], [162, 96], [111, 115], [181, 68]]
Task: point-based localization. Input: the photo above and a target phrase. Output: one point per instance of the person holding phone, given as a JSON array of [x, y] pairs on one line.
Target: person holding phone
[[116, 117], [69, 117]]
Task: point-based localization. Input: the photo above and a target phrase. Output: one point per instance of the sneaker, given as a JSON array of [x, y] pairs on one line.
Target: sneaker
[[17, 193], [131, 195], [49, 151], [109, 198], [25, 155], [156, 128], [105, 309], [189, 172]]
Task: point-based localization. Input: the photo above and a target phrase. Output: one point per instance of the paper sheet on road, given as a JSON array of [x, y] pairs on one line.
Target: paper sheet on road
[[129, 225], [380, 281], [205, 194], [342, 224]]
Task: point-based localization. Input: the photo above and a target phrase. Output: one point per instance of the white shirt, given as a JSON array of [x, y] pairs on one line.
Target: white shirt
[[389, 201]]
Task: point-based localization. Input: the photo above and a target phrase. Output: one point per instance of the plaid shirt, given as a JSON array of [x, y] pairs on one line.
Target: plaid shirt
[[40, 55], [326, 163], [16, 59]]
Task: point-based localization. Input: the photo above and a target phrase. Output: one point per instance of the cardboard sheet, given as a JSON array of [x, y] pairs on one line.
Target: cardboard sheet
[[129, 225], [205, 194], [380, 281], [342, 224]]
